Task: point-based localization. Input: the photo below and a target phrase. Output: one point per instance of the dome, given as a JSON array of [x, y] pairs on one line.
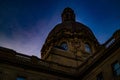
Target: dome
[[69, 31], [72, 27]]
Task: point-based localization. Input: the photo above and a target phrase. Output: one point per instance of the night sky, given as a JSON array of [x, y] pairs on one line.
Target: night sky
[[25, 24]]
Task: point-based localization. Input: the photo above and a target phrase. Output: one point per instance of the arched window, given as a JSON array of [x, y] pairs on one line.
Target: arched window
[[64, 46], [87, 48]]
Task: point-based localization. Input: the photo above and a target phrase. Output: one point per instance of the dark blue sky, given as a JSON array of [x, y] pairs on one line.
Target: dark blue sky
[[24, 24]]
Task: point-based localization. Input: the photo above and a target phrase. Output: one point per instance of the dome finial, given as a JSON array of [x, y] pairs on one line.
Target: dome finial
[[68, 15]]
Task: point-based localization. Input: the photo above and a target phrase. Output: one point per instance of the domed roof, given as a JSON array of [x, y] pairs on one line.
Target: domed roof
[[68, 29], [72, 27], [69, 24]]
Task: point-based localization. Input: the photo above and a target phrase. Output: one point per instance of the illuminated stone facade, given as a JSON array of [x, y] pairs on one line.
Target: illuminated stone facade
[[70, 52]]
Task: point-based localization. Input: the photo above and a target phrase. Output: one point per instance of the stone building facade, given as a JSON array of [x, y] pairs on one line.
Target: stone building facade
[[70, 52]]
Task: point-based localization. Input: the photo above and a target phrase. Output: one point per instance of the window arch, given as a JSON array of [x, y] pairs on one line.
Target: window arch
[[88, 48], [64, 46]]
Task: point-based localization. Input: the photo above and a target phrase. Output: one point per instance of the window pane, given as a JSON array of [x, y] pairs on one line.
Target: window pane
[[116, 68], [20, 78], [118, 72], [87, 48], [64, 46]]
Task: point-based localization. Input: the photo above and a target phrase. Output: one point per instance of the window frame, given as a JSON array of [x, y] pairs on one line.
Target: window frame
[[115, 70]]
